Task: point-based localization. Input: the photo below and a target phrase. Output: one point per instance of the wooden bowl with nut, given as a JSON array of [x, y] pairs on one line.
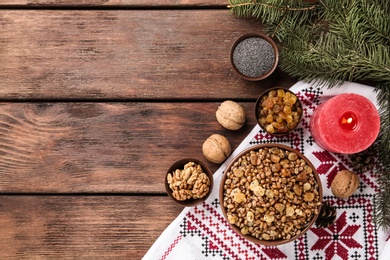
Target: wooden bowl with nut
[[270, 194], [278, 111], [189, 182]]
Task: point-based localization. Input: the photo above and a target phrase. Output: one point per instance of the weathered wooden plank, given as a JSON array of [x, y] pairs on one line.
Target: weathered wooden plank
[[120, 3], [170, 54], [103, 147], [79, 227]]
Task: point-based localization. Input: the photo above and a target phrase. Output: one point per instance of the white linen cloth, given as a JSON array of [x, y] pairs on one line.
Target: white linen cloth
[[201, 232]]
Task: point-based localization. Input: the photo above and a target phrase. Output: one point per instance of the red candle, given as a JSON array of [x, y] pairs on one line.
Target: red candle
[[347, 123]]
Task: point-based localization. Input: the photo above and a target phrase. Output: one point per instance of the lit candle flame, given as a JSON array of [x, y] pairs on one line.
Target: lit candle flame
[[348, 121]]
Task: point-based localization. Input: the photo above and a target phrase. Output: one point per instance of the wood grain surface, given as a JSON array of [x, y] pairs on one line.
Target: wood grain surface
[[103, 147], [82, 227], [97, 99], [123, 55], [115, 3]]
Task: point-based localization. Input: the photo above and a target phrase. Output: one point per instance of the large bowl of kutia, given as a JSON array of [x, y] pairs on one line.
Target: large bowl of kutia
[[270, 194]]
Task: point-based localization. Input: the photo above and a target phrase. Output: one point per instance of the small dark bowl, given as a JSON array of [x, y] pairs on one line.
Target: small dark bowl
[[258, 108], [266, 73], [252, 238], [180, 165]]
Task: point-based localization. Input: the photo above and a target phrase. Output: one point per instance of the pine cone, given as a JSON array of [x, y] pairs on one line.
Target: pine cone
[[327, 216], [363, 161]]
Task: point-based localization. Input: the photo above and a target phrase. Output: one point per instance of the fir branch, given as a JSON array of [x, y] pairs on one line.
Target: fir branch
[[273, 12], [236, 5], [382, 199]]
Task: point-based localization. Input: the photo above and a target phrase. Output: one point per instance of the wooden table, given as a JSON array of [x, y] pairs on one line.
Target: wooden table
[[98, 99]]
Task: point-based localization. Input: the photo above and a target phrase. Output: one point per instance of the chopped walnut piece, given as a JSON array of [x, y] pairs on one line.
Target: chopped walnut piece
[[189, 183]]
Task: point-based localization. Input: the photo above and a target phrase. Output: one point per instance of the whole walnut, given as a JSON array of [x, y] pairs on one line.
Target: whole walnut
[[216, 148], [344, 184], [231, 115]]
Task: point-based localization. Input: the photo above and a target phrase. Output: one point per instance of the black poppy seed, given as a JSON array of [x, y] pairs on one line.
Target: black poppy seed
[[253, 56]]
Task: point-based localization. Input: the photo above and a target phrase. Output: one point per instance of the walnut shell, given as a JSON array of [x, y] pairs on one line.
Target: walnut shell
[[231, 115], [216, 148], [344, 184]]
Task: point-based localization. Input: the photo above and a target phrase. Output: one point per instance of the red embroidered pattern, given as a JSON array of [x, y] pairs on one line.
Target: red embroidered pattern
[[169, 250], [336, 239]]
